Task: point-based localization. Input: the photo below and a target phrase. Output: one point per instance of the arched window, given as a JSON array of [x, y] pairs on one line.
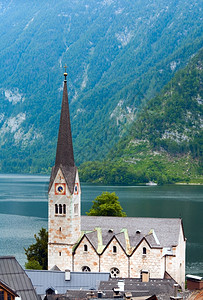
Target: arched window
[[64, 209], [86, 269], [144, 251], [114, 249], [60, 208], [85, 248], [56, 209], [114, 272]]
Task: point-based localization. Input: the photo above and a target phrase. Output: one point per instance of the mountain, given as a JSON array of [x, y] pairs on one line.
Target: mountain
[[119, 55], [165, 143]]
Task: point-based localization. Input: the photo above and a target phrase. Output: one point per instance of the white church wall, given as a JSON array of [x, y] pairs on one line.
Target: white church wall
[[152, 261], [64, 225], [114, 260], [175, 265], [86, 256]]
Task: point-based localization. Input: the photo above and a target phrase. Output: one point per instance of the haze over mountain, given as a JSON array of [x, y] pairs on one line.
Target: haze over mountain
[[119, 55]]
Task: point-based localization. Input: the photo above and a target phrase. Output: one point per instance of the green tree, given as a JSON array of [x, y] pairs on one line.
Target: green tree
[[37, 254], [106, 204], [33, 265]]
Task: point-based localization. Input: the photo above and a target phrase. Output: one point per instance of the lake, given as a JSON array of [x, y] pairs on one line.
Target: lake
[[24, 210]]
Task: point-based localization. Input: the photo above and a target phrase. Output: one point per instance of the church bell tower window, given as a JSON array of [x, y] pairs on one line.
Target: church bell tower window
[[60, 209]]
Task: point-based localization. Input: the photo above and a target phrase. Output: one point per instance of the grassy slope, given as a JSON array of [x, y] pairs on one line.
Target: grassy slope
[[165, 143]]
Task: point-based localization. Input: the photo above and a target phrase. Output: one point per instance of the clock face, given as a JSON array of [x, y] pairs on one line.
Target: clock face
[[60, 189]]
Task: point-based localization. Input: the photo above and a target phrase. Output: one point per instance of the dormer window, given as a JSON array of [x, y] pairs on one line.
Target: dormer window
[[85, 248], [114, 249]]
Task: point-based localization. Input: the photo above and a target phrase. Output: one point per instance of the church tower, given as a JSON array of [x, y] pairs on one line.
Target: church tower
[[63, 196]]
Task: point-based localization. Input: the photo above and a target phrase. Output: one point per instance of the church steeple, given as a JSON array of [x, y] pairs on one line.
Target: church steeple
[[64, 153]]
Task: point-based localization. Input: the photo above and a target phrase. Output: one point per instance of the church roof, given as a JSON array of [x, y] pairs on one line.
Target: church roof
[[43, 279], [162, 288], [64, 153], [15, 277], [130, 232]]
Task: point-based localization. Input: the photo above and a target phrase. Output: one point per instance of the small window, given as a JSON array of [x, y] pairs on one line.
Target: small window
[[56, 209], [59, 228], [86, 269], [85, 248], [64, 209], [75, 209], [60, 209], [1, 295], [114, 272], [76, 189], [114, 249], [144, 251], [9, 297], [59, 253]]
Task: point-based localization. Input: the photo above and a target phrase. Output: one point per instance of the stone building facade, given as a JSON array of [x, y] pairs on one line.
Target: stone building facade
[[125, 247]]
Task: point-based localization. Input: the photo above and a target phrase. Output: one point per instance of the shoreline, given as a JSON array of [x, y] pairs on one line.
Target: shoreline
[[185, 183]]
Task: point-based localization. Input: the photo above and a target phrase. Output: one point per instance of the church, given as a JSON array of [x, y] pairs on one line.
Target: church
[[123, 246]]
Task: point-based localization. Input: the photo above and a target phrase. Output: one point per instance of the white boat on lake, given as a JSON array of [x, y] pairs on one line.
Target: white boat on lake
[[151, 183]]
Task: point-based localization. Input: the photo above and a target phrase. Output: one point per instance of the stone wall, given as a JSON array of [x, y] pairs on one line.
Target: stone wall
[[175, 265], [61, 256], [86, 257], [114, 260], [152, 261], [64, 225]]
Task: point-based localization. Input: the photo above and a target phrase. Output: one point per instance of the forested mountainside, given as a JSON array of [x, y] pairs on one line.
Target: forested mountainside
[[119, 55], [165, 143]]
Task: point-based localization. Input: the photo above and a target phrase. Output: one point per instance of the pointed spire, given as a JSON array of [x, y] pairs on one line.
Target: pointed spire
[[64, 153]]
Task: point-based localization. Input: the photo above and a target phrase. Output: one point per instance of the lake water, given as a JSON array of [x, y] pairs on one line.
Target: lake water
[[24, 210]]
